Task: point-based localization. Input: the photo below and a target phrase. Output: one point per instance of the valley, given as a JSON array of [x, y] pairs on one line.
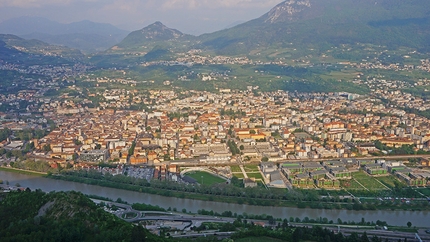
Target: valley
[[313, 105]]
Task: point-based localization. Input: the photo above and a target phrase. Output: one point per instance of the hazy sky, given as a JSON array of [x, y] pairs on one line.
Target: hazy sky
[[188, 16]]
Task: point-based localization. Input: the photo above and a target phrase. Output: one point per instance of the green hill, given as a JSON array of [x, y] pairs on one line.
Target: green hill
[[14, 49], [62, 216], [153, 35]]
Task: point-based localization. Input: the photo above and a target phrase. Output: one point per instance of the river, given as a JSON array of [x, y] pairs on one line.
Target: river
[[417, 218]]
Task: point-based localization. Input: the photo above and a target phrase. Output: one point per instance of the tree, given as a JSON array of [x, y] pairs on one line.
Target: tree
[[364, 238], [131, 150], [47, 148], [409, 224]]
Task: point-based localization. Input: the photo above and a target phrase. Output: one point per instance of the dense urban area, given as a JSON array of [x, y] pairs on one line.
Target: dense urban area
[[306, 140], [365, 149], [328, 126]]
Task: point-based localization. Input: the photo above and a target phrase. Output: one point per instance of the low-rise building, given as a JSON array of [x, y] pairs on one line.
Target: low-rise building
[[94, 155]]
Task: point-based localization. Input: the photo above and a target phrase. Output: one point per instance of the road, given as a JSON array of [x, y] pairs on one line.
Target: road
[[220, 235], [370, 231], [393, 157], [198, 219], [243, 171], [158, 215], [383, 234]]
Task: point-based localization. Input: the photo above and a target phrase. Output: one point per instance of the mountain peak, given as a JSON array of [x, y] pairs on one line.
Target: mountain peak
[[158, 23], [159, 31], [151, 34], [287, 11]]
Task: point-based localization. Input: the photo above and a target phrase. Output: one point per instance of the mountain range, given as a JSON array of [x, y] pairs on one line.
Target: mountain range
[[85, 35], [292, 24], [14, 49], [322, 23], [308, 24]]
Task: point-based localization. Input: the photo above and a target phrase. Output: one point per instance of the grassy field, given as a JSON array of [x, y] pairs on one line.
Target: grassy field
[[239, 175], [207, 178], [389, 181], [255, 175], [235, 169], [425, 191], [257, 239], [368, 181], [33, 173], [351, 185], [251, 168]]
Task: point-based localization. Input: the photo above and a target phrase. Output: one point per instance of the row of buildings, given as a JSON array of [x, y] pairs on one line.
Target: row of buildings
[[328, 174]]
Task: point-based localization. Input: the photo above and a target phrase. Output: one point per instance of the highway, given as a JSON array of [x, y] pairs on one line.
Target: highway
[[196, 220], [370, 231], [158, 215], [384, 234]]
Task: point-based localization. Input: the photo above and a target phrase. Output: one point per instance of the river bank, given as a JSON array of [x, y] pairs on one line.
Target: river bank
[[20, 171], [397, 217], [357, 205]]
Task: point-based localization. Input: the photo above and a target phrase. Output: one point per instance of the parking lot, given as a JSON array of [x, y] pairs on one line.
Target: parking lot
[[138, 172]]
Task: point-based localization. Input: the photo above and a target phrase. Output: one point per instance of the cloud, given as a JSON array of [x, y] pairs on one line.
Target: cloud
[[128, 6], [164, 4], [42, 3], [30, 3]]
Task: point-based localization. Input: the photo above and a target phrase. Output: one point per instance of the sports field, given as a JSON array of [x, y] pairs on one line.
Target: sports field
[[205, 178]]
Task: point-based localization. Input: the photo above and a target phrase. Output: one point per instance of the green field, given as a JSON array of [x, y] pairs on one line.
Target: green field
[[235, 169], [389, 181], [351, 185], [425, 191], [206, 178], [255, 175], [25, 172], [367, 181], [239, 175], [251, 168]]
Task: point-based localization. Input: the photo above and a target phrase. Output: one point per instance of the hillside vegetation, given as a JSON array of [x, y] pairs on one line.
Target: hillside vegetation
[[62, 216]]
